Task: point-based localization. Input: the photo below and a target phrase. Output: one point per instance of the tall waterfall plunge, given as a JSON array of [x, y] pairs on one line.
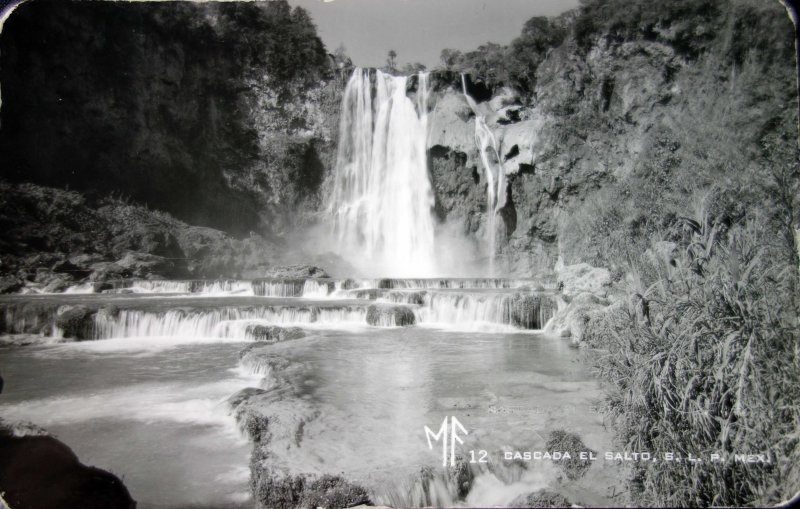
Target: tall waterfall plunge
[[495, 175], [382, 200]]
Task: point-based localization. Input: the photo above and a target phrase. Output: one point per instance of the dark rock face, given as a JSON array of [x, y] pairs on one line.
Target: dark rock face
[[212, 112], [10, 284], [42, 472], [272, 333], [390, 316], [77, 322], [602, 144]]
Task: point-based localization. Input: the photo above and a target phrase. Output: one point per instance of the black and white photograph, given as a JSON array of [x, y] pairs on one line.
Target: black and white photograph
[[329, 254]]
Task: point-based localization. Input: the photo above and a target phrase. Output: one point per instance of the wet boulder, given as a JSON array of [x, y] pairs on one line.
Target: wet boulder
[[58, 283], [273, 334], [296, 271], [108, 271], [243, 395], [144, 265], [76, 322], [68, 267], [10, 284], [390, 316]]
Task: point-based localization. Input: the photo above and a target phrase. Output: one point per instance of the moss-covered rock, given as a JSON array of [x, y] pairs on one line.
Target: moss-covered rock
[[305, 492], [273, 333], [76, 322], [332, 491], [563, 441], [390, 316], [542, 498], [531, 311], [575, 314], [243, 395]]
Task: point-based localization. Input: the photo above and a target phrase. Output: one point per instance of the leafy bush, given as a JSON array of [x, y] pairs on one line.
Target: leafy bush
[[514, 65], [688, 26], [704, 359]]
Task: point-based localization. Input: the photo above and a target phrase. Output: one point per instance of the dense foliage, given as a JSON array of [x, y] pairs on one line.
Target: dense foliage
[[157, 101], [513, 65], [703, 359], [702, 355]]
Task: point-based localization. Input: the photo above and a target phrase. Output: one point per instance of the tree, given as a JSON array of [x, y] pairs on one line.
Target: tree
[[529, 50], [450, 58], [414, 68], [390, 62]]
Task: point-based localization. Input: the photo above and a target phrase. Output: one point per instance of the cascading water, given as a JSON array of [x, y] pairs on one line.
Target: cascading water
[[382, 200], [495, 175]]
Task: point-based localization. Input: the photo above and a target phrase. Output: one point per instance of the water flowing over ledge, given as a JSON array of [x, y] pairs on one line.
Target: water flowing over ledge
[[382, 199], [225, 309]]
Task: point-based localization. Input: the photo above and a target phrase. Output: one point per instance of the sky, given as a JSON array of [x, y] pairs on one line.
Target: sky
[[418, 30]]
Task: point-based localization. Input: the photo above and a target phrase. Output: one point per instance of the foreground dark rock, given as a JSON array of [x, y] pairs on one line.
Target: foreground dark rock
[[40, 472], [390, 316]]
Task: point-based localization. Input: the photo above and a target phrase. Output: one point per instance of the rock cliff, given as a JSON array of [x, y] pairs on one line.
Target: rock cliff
[[221, 114], [631, 121]]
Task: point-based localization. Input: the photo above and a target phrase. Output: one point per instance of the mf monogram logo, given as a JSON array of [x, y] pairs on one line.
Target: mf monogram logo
[[446, 431]]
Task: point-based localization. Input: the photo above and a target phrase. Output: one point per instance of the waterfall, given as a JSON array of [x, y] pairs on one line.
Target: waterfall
[[495, 175], [382, 199], [224, 322]]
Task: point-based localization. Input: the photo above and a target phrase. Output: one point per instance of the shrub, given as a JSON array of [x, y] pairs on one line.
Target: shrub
[[704, 359]]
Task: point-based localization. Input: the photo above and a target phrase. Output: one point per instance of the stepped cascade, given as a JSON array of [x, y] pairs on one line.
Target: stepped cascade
[[226, 308], [382, 200]]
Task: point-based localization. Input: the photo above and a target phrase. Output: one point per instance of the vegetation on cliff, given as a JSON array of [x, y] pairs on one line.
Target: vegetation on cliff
[[670, 157], [54, 238], [702, 358], [168, 104]]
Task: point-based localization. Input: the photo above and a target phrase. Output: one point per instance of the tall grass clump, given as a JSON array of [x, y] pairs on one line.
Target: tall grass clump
[[704, 359]]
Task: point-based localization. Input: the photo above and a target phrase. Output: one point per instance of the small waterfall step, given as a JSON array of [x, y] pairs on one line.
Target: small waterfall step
[[301, 287], [461, 303]]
